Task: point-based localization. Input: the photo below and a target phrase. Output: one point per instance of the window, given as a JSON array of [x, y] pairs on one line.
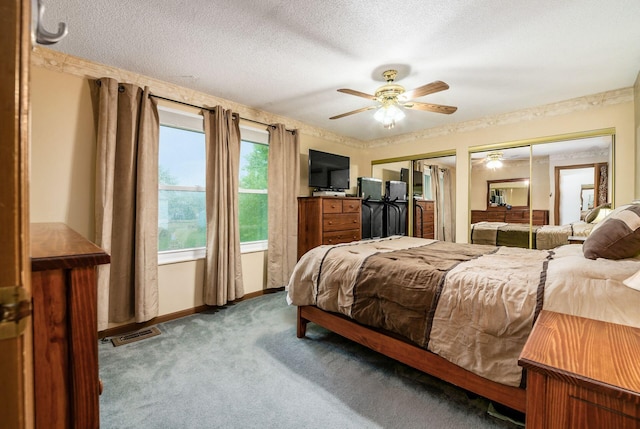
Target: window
[[182, 219], [181, 187], [254, 153], [427, 185]]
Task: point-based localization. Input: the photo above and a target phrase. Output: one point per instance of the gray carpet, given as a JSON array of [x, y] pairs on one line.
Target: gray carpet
[[243, 367]]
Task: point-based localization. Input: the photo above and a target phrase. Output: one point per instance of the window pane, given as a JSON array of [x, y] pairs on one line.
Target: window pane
[[253, 206], [181, 220], [181, 157], [253, 217], [427, 187], [253, 165]]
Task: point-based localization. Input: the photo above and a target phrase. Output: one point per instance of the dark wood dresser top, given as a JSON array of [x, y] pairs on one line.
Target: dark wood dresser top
[[56, 246]]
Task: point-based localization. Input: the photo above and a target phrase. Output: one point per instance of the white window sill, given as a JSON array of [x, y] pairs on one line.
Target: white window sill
[[183, 255], [254, 246], [186, 255]]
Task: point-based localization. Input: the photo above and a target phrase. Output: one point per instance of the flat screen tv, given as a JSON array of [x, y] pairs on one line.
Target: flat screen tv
[[417, 180], [328, 171]]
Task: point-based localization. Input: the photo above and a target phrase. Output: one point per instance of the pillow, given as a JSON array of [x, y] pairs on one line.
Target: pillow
[[633, 282], [593, 213], [617, 236]]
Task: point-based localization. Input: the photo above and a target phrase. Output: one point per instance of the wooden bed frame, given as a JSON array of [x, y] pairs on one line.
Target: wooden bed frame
[[412, 355]]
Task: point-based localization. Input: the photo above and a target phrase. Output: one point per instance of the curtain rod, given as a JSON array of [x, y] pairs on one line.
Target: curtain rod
[[212, 110]]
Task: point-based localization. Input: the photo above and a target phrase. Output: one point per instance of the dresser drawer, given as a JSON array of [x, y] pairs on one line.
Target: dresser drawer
[[520, 216], [332, 205], [426, 217], [340, 222], [328, 220], [494, 216], [337, 237], [351, 206]]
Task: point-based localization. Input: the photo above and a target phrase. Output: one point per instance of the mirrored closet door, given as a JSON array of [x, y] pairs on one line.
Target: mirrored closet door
[[434, 198], [566, 181], [500, 197], [423, 207]]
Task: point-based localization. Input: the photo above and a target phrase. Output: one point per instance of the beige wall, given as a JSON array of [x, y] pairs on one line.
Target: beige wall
[[510, 169], [62, 151], [63, 157], [359, 163]]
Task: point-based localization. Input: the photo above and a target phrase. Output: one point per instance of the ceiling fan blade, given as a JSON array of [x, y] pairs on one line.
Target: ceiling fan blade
[[437, 108], [357, 93], [364, 109], [429, 88]]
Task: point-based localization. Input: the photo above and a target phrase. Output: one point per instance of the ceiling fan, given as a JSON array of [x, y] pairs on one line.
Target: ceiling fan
[[495, 158], [392, 97]]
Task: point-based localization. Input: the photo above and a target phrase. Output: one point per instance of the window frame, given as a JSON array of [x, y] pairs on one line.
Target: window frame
[[187, 121], [194, 122], [255, 136]]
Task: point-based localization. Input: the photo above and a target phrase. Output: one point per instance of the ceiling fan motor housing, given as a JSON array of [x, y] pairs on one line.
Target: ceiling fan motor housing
[[389, 93]]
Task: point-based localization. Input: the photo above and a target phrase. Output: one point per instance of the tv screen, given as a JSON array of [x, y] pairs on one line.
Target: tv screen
[[417, 180], [328, 171]]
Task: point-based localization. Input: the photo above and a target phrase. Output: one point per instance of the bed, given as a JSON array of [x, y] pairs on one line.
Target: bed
[[517, 235], [460, 312]]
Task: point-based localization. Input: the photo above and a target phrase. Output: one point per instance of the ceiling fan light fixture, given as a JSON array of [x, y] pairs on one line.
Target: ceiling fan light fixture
[[494, 160], [388, 115]]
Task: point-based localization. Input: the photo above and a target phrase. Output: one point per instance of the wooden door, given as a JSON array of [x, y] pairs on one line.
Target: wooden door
[[16, 351]]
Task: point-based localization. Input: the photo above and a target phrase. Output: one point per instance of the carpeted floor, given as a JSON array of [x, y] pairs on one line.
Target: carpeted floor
[[243, 367]]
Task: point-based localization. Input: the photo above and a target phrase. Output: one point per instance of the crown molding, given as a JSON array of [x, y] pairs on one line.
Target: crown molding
[[65, 63], [587, 102]]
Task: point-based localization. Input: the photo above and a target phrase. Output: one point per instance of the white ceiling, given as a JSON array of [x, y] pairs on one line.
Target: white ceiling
[[289, 58]]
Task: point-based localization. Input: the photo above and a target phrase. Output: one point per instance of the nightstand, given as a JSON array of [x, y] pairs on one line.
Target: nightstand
[[581, 373], [574, 239]]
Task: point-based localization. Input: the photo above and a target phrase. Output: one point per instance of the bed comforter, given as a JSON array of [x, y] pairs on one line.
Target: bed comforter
[[473, 305], [517, 235]]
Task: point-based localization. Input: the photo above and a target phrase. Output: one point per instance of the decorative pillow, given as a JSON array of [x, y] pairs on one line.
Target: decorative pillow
[[617, 236], [593, 213]]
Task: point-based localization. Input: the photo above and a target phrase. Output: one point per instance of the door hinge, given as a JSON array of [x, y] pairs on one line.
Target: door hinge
[[15, 308]]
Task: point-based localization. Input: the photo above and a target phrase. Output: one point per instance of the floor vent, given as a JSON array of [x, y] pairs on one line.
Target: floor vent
[[135, 336]]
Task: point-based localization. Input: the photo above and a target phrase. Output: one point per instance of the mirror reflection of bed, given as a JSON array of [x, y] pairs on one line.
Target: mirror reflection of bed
[[568, 184]]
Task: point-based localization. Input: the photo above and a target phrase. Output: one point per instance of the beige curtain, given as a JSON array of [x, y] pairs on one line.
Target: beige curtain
[[448, 207], [283, 177], [126, 202], [434, 171], [223, 271]]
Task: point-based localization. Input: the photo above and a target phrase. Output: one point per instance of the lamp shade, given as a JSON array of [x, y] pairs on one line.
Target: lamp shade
[[494, 160], [388, 115]]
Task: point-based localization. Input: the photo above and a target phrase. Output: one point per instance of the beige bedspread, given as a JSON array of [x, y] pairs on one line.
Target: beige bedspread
[[544, 237], [482, 307]]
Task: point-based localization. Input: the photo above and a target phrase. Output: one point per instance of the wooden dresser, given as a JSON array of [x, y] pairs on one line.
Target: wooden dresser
[[65, 328], [581, 373], [423, 218], [327, 220], [501, 214]]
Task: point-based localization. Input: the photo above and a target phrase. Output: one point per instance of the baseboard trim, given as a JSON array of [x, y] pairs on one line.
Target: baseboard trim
[[129, 327]]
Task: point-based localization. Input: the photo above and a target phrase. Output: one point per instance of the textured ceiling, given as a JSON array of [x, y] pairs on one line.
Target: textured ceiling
[[289, 58]]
